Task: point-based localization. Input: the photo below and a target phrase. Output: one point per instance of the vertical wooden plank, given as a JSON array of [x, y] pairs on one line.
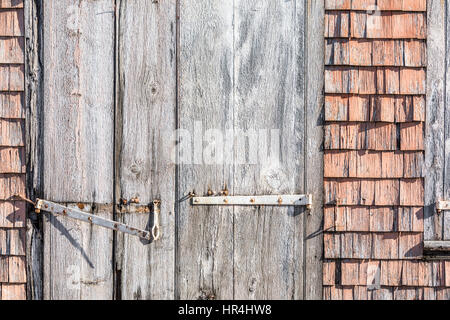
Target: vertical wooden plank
[[269, 95], [314, 156], [146, 118], [446, 217], [205, 101], [34, 108], [78, 59], [435, 119]]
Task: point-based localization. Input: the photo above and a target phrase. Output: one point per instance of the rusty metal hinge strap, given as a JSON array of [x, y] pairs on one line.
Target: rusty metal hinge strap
[[59, 209]]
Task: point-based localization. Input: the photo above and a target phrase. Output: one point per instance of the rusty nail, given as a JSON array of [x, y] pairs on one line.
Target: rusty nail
[[252, 200], [280, 200], [210, 192]]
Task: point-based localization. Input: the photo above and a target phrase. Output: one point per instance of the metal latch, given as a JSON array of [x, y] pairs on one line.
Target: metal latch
[[269, 200], [58, 209], [442, 205]]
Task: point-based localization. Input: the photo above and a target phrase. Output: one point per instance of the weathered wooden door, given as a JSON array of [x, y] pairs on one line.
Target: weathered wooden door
[[160, 99], [437, 155]]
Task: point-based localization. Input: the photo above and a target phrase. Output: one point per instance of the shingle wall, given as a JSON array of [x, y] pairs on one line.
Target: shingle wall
[[375, 84], [12, 151]]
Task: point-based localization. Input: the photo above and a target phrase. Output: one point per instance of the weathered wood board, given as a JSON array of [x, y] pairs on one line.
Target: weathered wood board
[[437, 155], [154, 100], [145, 120], [78, 127]]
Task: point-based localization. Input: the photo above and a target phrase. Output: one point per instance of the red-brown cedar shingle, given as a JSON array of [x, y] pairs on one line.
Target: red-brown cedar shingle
[[392, 165], [337, 52], [352, 219], [415, 53], [391, 272], [331, 136], [338, 4], [410, 219], [363, 4], [12, 214], [380, 136], [385, 245], [13, 292], [368, 164], [410, 245], [16, 239], [337, 24], [11, 105], [12, 23], [11, 185], [412, 192], [350, 272], [382, 109], [358, 108], [387, 192], [410, 273], [329, 272], [336, 108], [332, 245], [4, 269], [411, 136], [339, 164], [438, 273], [11, 3], [328, 217], [413, 165], [382, 219], [412, 81], [11, 50], [12, 160], [447, 273], [360, 52], [12, 78], [17, 269], [388, 81], [12, 133], [413, 5]]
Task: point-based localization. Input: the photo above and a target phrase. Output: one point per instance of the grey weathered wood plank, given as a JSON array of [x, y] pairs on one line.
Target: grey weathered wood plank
[[33, 102], [78, 135], [78, 257], [446, 217], [79, 100], [205, 100], [314, 155], [435, 132], [146, 120], [269, 95]]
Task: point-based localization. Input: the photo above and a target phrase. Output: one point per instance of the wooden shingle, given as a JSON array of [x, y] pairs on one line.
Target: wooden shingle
[[12, 23], [11, 105]]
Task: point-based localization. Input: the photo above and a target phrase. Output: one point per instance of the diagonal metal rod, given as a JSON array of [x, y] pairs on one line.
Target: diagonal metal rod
[[59, 209]]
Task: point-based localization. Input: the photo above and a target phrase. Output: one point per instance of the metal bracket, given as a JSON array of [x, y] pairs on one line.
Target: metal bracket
[[272, 200], [59, 209], [442, 205]]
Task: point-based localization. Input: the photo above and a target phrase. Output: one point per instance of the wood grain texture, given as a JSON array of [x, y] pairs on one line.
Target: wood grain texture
[[146, 116], [435, 130], [34, 109], [78, 257], [270, 77], [79, 101], [314, 152], [205, 100], [78, 135]]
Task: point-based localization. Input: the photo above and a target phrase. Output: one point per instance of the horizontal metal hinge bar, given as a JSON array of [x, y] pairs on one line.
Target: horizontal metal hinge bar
[[436, 245], [443, 205], [59, 209], [271, 200]]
